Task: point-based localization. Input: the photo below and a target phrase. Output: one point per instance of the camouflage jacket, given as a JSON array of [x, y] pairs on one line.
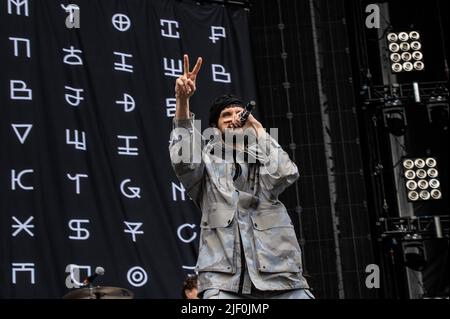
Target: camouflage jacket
[[243, 213]]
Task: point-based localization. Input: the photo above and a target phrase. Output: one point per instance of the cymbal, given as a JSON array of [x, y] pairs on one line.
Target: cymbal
[[100, 293]]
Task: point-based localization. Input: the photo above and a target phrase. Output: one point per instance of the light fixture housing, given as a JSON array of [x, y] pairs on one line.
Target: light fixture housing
[[421, 176], [407, 46]]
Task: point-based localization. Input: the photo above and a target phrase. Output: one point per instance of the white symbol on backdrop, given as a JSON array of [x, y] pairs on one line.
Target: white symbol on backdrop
[[22, 136], [135, 191], [81, 233], [18, 4], [121, 22], [180, 236], [170, 107], [127, 102], [79, 145], [18, 180], [22, 226], [127, 149], [219, 74], [169, 28], [72, 99], [77, 179], [172, 70], [181, 189], [72, 58], [23, 267], [137, 276], [18, 91], [216, 33], [122, 66], [133, 229], [16, 46]]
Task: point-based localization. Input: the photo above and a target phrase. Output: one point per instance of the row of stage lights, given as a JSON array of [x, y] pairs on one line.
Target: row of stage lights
[[405, 51], [421, 175], [422, 179]]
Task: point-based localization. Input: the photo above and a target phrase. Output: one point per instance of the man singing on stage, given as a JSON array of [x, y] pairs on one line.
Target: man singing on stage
[[248, 247]]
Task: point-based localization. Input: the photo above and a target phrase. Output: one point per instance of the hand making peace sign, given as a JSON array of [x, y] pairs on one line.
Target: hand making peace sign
[[185, 84]]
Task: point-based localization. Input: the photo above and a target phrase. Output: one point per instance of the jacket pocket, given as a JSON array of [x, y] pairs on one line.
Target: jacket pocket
[[222, 174], [216, 252], [277, 249]]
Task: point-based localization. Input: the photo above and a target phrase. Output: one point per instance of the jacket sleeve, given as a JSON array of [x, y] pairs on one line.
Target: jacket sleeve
[[277, 171], [185, 150]]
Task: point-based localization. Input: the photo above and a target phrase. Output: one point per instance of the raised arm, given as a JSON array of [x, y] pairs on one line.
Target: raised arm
[[185, 87], [185, 141]]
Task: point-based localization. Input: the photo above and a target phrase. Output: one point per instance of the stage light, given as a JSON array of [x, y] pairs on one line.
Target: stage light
[[415, 45], [409, 44], [420, 173], [414, 35], [419, 163], [393, 112], [404, 46], [423, 184], [421, 179], [395, 57], [408, 66], [425, 195], [403, 36], [434, 183], [432, 172], [394, 47], [438, 107], [414, 255], [417, 55], [397, 67], [413, 196], [411, 185], [406, 56], [436, 194], [395, 120], [430, 162], [408, 164], [392, 37], [410, 174], [418, 65]]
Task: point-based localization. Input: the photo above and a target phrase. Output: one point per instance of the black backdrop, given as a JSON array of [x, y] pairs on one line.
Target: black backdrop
[[87, 182]]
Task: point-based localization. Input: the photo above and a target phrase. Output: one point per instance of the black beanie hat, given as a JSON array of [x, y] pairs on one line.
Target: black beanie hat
[[221, 103]]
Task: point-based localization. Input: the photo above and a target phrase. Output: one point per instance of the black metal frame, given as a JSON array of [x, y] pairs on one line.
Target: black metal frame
[[381, 94], [243, 3], [413, 228]]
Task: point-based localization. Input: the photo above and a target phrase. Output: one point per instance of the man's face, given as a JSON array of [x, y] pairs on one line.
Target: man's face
[[225, 120]]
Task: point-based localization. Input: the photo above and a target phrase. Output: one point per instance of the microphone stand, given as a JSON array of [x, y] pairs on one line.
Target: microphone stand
[[91, 290], [88, 284]]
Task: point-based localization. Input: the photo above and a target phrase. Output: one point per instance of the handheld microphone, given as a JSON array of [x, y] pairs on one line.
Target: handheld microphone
[[99, 271], [247, 111]]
